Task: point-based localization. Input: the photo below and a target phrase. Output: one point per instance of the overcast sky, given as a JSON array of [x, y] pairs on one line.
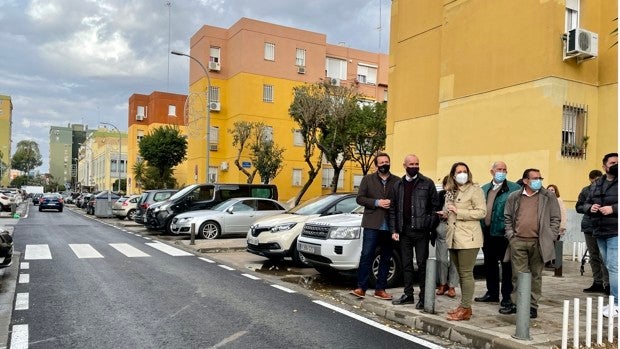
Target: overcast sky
[[79, 61]]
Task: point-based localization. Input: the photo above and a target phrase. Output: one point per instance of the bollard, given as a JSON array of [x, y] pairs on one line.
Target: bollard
[[599, 321], [559, 250], [13, 209], [565, 324], [610, 320], [576, 323], [429, 286], [588, 321], [524, 294], [192, 234]]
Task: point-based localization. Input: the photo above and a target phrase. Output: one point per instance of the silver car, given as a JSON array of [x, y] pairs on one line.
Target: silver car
[[233, 216], [125, 207]]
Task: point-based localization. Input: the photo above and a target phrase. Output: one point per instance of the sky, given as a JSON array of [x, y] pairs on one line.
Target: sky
[[78, 61]]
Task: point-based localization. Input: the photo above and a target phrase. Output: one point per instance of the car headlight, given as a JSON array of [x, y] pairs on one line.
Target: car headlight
[[345, 233], [184, 219], [282, 227]]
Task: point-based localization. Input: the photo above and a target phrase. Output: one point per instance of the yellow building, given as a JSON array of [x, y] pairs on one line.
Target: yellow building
[[98, 160], [6, 122], [485, 80], [253, 67]]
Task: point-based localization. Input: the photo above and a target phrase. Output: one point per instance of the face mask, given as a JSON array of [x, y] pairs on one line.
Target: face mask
[[613, 170], [536, 184], [461, 178], [384, 169], [412, 171], [499, 177]]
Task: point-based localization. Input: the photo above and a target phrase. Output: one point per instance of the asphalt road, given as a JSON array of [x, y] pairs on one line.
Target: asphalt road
[[83, 284]]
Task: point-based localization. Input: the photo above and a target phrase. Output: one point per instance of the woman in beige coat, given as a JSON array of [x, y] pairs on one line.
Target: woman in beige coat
[[464, 207]]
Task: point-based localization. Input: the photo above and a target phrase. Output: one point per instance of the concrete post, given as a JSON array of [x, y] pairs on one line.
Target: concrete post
[[524, 294], [192, 234], [429, 286], [559, 250]]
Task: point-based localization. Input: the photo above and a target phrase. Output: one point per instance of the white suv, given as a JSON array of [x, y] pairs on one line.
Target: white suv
[[275, 237]]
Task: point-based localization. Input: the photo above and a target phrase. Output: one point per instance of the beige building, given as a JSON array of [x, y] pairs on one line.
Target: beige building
[[6, 123], [99, 167], [533, 83]]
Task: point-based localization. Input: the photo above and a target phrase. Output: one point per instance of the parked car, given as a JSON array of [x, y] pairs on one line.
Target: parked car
[[276, 237], [233, 216], [148, 198], [125, 207], [51, 201], [202, 197], [6, 248], [79, 201], [9, 197], [35, 198]]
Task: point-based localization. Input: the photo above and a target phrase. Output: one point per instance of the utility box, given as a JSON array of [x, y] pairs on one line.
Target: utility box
[[103, 204]]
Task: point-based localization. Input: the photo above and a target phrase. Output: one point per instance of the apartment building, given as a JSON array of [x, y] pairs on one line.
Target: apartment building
[[100, 162], [63, 155], [6, 122]]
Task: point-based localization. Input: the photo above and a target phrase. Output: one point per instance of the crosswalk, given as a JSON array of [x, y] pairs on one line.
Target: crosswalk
[[87, 251]]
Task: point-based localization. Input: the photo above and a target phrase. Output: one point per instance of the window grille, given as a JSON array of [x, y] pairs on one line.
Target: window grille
[[574, 133]]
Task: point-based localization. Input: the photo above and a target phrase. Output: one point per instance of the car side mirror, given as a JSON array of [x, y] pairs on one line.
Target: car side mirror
[[229, 210]]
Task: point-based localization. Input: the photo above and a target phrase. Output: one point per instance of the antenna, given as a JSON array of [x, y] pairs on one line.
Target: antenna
[[379, 27], [169, 4]]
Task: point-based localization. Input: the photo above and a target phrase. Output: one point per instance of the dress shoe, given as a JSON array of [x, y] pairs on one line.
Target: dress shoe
[[506, 302], [487, 298], [404, 299], [512, 309], [533, 313], [596, 287], [381, 294], [358, 292], [420, 304], [451, 292], [462, 314], [441, 289], [453, 311]]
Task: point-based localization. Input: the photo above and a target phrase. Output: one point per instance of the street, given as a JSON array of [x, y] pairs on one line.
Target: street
[[85, 284]]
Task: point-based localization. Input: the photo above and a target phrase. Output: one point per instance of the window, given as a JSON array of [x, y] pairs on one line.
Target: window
[[574, 138], [300, 57], [296, 177], [267, 93], [214, 135], [572, 14], [214, 94], [212, 175], [270, 51], [172, 110], [367, 74], [298, 138], [328, 176], [140, 135], [214, 54], [357, 179], [385, 95], [267, 133], [336, 68], [141, 113]]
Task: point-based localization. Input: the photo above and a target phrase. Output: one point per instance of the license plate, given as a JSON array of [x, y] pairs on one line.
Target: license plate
[[253, 241], [173, 226], [313, 249]]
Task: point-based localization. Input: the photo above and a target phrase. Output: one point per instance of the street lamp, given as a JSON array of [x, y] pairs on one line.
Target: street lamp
[[118, 162], [208, 93]]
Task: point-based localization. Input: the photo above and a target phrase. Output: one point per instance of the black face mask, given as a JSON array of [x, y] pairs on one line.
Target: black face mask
[[384, 169], [613, 170], [412, 171]]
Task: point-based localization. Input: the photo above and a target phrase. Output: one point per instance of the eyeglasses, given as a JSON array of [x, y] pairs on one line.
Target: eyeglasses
[[533, 179]]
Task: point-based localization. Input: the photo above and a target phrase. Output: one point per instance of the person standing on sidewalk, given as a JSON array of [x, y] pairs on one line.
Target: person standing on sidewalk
[[600, 276], [448, 276], [412, 219], [602, 207], [495, 243], [464, 208], [532, 218], [375, 194]]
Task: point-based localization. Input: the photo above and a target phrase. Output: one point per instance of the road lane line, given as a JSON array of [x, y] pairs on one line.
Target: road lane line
[[24, 278], [21, 301], [225, 267], [24, 265], [206, 260], [251, 276], [129, 250], [168, 249], [395, 332], [85, 251], [283, 288], [19, 337], [37, 252]]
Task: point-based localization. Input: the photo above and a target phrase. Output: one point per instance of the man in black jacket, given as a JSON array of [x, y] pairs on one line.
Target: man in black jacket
[[412, 219]]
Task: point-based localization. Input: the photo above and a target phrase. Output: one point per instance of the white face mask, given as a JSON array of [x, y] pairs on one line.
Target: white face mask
[[461, 178]]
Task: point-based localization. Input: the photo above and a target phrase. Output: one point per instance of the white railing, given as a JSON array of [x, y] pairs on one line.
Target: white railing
[[588, 324], [579, 248]]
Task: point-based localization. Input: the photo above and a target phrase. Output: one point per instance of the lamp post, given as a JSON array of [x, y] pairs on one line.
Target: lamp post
[[118, 162], [208, 93]]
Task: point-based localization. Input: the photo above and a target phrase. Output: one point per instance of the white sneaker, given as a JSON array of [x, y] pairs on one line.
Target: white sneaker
[[614, 311]]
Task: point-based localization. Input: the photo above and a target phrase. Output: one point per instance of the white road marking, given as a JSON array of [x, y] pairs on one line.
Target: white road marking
[[251, 276], [206, 260], [230, 339], [24, 278], [21, 301], [395, 332], [19, 337], [225, 267], [147, 238], [168, 249], [85, 251], [24, 265], [37, 252], [283, 288], [129, 250]]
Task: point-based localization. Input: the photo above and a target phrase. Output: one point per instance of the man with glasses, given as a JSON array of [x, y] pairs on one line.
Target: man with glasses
[[532, 217]]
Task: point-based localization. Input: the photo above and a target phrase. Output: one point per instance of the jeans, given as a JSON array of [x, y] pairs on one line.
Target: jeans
[[599, 271], [374, 238], [609, 251], [410, 240]]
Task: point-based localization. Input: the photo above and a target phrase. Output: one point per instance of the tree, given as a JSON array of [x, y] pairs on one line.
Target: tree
[[139, 172], [267, 159], [368, 130], [163, 149], [27, 156], [241, 132]]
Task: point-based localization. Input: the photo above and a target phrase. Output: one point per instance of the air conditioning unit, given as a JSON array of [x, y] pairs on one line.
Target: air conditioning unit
[[301, 70], [582, 43], [214, 66], [214, 106], [139, 117], [224, 166], [213, 147], [334, 82]]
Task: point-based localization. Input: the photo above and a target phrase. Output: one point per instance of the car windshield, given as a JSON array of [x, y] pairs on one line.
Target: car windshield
[[222, 205], [315, 206], [182, 192]]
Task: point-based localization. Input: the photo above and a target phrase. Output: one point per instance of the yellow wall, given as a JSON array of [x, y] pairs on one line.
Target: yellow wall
[[6, 117]]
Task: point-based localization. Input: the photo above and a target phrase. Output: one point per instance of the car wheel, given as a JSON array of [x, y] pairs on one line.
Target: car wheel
[[167, 229], [394, 273], [209, 230], [298, 258], [131, 215], [40, 209], [60, 210]]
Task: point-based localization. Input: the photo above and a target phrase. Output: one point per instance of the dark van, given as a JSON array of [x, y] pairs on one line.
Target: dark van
[[202, 197]]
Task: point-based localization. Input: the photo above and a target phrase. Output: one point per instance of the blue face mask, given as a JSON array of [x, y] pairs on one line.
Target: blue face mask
[[499, 177], [536, 184]]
